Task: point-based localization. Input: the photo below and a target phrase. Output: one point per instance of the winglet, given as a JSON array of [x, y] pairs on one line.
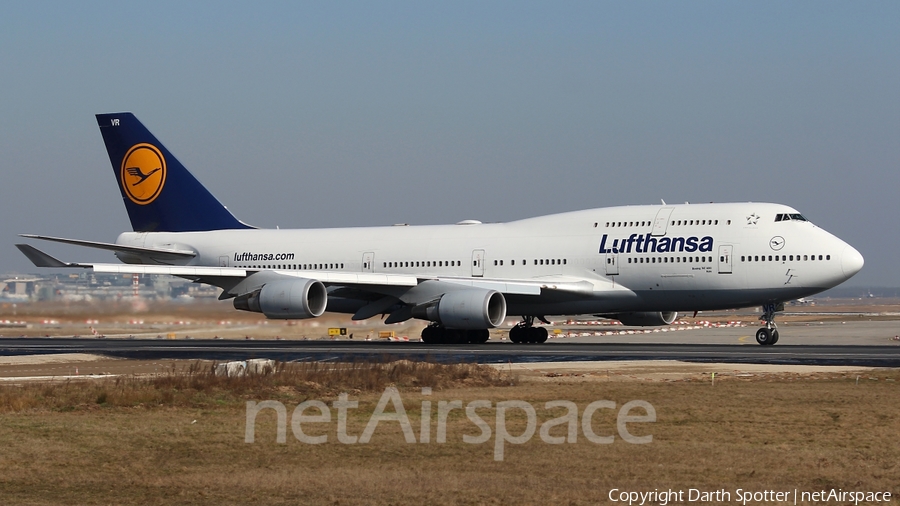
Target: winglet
[[41, 259]]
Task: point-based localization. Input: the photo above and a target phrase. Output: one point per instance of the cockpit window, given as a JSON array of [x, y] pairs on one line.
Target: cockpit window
[[790, 217]]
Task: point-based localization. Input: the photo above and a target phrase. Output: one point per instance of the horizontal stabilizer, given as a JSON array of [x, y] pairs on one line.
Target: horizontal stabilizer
[[41, 259], [159, 253]]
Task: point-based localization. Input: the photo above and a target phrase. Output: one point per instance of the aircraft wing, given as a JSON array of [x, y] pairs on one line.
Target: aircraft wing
[[236, 281]]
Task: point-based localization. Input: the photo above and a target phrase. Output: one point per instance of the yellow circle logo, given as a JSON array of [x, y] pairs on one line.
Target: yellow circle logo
[[143, 173]]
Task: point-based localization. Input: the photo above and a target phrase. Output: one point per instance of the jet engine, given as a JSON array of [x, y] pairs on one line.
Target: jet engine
[[645, 318], [289, 299], [469, 308]]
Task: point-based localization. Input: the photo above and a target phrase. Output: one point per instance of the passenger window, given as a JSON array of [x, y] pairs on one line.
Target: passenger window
[[827, 257]]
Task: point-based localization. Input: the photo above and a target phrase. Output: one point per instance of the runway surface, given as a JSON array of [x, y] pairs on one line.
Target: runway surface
[[874, 355]]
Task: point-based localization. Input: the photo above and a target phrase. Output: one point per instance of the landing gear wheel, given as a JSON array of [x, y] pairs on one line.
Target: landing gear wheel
[[430, 334], [517, 334], [526, 332], [768, 335], [541, 335], [438, 334], [479, 336], [764, 336]]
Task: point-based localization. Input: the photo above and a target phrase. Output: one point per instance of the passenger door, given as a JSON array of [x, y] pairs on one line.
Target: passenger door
[[662, 221], [725, 258], [368, 262], [612, 263], [478, 263]]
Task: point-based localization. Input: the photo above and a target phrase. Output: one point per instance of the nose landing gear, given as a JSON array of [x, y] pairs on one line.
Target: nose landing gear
[[768, 335]]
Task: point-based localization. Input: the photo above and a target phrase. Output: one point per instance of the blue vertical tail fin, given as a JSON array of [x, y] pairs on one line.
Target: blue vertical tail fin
[[159, 193]]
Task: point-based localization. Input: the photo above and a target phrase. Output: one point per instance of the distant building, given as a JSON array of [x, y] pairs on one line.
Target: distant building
[[92, 286], [20, 288]]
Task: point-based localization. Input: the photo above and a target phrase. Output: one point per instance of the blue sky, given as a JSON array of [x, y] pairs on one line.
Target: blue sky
[[364, 113]]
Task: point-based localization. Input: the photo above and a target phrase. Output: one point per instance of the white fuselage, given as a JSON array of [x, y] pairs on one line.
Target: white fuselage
[[633, 258]]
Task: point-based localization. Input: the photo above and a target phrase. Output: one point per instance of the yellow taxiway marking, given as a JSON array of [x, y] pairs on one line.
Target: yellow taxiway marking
[[743, 339]]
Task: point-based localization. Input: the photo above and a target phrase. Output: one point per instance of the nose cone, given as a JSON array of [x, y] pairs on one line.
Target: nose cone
[[851, 261]]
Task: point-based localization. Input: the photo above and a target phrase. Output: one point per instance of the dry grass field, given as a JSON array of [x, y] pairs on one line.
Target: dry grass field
[[179, 438]]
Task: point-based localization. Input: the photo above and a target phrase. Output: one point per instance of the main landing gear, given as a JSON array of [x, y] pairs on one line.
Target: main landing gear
[[438, 334], [768, 335], [526, 332]]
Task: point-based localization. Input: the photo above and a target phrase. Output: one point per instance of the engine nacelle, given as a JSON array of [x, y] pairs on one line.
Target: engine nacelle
[[289, 299], [645, 318], [469, 308]]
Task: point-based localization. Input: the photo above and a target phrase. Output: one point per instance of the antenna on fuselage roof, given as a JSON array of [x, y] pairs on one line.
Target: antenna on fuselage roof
[[663, 201]]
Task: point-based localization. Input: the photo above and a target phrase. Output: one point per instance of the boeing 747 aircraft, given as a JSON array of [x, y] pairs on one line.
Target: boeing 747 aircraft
[[636, 264]]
